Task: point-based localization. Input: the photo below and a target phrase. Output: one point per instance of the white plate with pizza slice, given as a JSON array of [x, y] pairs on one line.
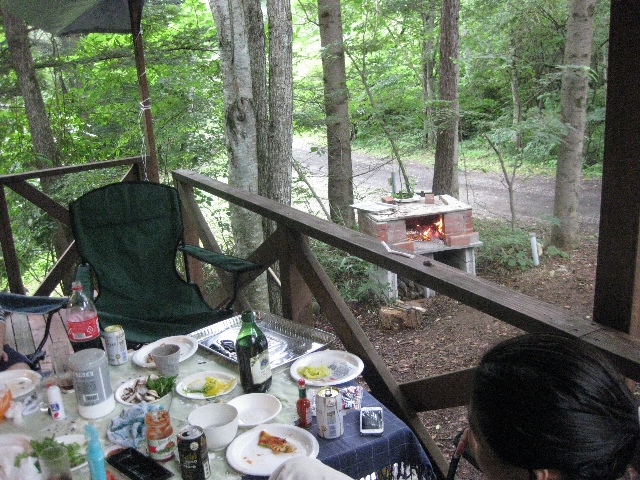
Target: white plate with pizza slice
[[246, 456]]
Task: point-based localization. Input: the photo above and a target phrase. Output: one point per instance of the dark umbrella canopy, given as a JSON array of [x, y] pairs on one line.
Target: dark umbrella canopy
[[66, 17]]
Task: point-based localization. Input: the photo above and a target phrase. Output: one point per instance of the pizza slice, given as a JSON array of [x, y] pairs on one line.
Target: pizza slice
[[276, 444]]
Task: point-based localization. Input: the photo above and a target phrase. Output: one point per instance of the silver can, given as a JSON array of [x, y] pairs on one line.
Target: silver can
[[116, 345], [329, 413]]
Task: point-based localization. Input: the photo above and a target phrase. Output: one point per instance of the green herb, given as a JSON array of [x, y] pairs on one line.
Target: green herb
[[162, 385], [74, 450]]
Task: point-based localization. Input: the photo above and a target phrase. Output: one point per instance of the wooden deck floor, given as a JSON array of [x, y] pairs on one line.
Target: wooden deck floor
[[25, 332]]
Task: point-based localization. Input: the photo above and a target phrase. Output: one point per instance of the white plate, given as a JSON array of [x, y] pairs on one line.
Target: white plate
[[255, 408], [129, 384], [77, 438], [244, 454], [344, 366], [183, 384], [20, 382], [188, 346]]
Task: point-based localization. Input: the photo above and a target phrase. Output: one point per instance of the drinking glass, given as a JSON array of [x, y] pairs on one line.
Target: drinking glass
[[60, 354], [54, 463]]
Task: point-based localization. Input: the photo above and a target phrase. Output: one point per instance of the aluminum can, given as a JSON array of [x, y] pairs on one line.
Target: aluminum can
[[116, 345], [193, 454], [329, 413]]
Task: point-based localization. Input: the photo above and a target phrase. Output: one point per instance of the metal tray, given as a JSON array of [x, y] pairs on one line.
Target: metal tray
[[287, 340]]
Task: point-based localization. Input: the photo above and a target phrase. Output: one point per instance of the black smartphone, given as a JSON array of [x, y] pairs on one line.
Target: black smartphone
[[135, 465]]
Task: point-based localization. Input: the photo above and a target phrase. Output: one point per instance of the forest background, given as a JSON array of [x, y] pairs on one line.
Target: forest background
[[511, 57]]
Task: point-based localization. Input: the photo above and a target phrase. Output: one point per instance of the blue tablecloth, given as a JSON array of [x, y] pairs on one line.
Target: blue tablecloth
[[357, 456]]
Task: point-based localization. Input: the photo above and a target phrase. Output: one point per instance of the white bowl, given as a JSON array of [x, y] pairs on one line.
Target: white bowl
[[255, 408], [219, 422]]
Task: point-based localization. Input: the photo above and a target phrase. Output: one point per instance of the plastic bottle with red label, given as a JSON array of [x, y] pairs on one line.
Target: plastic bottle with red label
[[82, 320]]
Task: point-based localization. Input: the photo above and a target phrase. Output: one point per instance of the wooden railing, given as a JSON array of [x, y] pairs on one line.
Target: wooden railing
[[19, 183], [303, 278]]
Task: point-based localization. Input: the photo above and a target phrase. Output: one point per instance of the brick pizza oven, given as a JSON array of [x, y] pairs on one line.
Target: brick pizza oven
[[439, 227]]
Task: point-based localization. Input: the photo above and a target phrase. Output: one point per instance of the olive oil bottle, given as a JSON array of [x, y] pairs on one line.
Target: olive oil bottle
[[253, 356]]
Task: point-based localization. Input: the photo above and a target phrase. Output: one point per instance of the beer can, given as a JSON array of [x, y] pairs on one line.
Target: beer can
[[329, 413], [193, 454], [116, 345]]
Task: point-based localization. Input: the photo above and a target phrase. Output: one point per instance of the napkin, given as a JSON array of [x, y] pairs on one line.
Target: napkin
[[127, 429], [13, 445]]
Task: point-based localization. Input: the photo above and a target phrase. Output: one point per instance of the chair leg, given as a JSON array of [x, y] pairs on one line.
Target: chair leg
[[39, 354], [236, 280]]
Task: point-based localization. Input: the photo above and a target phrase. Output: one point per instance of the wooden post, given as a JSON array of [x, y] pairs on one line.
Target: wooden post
[[9, 248], [296, 296], [135, 14], [617, 291]]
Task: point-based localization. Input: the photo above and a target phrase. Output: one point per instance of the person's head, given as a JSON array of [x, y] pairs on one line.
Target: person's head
[[545, 406]]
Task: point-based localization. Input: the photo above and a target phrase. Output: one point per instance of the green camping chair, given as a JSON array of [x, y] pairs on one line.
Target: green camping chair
[[129, 234]]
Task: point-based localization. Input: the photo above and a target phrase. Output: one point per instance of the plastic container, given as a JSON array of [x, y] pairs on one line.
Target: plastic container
[[95, 455], [54, 398], [91, 383]]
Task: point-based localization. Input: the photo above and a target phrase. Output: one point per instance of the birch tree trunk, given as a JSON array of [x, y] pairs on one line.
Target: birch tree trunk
[[240, 130], [574, 97], [336, 105], [445, 172]]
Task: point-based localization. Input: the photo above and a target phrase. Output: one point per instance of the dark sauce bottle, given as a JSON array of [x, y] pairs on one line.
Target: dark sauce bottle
[[253, 356]]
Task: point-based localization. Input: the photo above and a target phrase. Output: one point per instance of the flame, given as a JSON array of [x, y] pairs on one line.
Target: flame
[[426, 233]]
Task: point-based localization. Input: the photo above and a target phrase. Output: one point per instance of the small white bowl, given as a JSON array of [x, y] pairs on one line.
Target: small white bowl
[[255, 408], [219, 422]]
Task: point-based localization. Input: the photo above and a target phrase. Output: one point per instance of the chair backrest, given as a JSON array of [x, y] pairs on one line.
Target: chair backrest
[[129, 233]]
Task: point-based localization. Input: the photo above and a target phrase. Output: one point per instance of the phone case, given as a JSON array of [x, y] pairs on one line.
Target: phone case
[[137, 466]]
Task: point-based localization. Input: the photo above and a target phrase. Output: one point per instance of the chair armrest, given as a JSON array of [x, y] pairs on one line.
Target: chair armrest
[[14, 302], [228, 263]]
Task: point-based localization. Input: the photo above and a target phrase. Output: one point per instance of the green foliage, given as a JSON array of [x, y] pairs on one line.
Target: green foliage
[[92, 97], [503, 248], [349, 274], [553, 251]]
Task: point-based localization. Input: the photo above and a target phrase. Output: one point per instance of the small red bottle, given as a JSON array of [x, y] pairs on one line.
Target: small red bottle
[[303, 405]]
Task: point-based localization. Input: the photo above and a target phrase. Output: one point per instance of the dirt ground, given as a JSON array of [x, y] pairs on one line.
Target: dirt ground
[[452, 336]]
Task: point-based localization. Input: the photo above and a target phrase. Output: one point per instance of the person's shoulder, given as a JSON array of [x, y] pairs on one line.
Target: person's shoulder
[[305, 468]]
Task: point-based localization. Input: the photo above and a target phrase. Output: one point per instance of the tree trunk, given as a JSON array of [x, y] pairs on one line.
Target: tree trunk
[[336, 105], [47, 154], [427, 57], [445, 174], [517, 103], [240, 130], [257, 54], [275, 174], [574, 98], [44, 146]]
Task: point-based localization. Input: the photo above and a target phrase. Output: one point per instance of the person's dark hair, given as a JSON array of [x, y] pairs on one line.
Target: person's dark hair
[[546, 401]]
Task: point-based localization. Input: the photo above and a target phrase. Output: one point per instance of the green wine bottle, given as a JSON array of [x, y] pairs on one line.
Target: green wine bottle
[[253, 356]]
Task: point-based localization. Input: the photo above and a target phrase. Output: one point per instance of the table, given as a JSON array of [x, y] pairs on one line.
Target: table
[[352, 454]]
